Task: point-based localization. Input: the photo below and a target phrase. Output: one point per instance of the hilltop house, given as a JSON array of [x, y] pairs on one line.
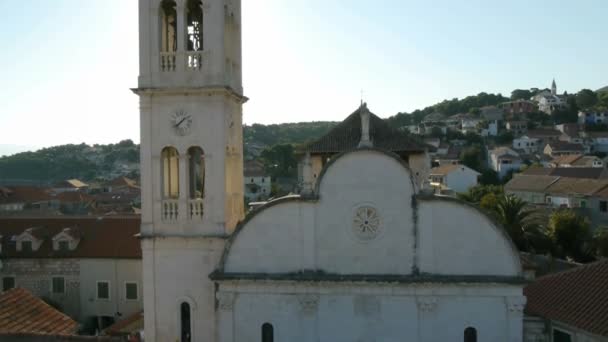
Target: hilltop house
[[519, 107], [517, 127], [526, 144], [549, 102], [587, 117], [577, 160], [451, 178], [562, 148], [504, 160]]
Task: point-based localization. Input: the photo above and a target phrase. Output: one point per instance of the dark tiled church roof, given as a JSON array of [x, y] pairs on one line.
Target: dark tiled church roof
[[347, 135]]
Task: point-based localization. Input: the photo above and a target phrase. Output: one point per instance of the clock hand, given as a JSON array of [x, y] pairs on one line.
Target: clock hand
[[179, 123]]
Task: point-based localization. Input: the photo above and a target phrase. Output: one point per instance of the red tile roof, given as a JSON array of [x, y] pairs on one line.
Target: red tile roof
[[107, 237], [24, 194], [22, 312], [578, 297], [127, 326]]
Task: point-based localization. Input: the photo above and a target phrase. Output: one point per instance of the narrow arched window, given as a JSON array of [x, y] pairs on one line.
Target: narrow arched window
[[470, 335], [185, 322], [195, 25], [170, 173], [196, 171], [168, 26], [267, 333]]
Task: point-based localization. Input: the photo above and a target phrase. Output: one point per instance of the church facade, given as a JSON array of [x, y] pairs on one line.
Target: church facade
[[362, 254]]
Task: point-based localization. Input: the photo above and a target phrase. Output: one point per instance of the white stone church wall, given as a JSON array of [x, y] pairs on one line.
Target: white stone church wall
[[369, 312]]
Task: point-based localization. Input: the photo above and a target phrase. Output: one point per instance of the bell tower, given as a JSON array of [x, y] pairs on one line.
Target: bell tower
[[191, 97]]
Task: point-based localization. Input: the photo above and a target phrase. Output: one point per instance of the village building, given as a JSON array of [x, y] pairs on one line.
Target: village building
[[258, 184], [90, 268], [504, 160], [550, 102], [360, 254], [577, 160], [561, 148], [517, 127], [526, 144], [451, 178], [569, 306]]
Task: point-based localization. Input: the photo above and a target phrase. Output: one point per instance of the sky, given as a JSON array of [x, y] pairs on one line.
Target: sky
[[67, 66]]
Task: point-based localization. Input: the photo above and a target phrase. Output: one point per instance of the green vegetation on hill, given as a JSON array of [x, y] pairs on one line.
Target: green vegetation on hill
[[468, 104], [287, 133]]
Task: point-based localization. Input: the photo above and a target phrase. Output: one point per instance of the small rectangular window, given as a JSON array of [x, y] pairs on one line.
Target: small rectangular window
[[58, 285], [26, 246], [131, 291], [63, 246], [8, 283], [103, 290], [604, 206]]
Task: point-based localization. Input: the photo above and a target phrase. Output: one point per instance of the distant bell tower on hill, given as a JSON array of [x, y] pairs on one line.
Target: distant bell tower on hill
[[191, 98], [553, 88]]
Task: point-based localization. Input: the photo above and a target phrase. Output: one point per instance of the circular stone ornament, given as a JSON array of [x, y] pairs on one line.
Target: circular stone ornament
[[366, 224]]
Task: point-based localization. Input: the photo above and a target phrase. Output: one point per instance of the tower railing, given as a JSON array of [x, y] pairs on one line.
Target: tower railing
[[195, 209], [170, 210], [168, 61], [194, 60]]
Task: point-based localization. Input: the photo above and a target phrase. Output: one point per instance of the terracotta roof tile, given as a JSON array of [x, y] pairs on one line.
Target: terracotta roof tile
[[22, 312], [127, 326], [347, 135], [578, 297], [24, 194], [108, 237]]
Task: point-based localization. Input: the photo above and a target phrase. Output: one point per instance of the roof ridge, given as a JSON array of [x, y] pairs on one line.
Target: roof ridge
[[575, 269]]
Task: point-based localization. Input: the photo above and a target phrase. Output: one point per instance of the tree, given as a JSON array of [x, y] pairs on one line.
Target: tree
[[603, 100], [521, 94], [586, 98], [470, 157], [600, 243], [489, 177], [489, 202], [521, 224], [571, 234], [280, 161], [476, 193]]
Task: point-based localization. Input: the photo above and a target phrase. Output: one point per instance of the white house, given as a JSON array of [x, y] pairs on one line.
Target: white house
[[526, 144], [454, 178], [258, 184], [359, 255], [504, 160]]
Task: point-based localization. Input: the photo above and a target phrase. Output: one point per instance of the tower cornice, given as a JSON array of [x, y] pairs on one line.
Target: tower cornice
[[206, 90]]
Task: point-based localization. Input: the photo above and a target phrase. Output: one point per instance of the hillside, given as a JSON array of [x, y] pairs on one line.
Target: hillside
[[602, 90], [87, 162]]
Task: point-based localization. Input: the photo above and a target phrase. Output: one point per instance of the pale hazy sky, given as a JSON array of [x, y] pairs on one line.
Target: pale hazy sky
[[66, 66]]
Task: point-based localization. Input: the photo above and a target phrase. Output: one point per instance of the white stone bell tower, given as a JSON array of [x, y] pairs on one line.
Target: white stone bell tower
[[191, 100]]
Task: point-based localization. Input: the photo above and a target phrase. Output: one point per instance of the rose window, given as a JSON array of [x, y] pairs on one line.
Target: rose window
[[366, 223]]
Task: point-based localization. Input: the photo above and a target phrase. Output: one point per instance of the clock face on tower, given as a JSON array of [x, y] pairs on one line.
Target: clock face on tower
[[181, 122]]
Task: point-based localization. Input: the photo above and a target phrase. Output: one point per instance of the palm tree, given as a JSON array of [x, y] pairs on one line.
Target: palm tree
[[521, 223]]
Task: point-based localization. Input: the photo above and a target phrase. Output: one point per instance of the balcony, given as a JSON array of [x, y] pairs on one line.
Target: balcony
[[170, 210], [194, 60], [195, 209], [167, 61]]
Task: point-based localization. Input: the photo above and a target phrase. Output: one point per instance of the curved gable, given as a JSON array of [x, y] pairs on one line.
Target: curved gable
[[326, 234]]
